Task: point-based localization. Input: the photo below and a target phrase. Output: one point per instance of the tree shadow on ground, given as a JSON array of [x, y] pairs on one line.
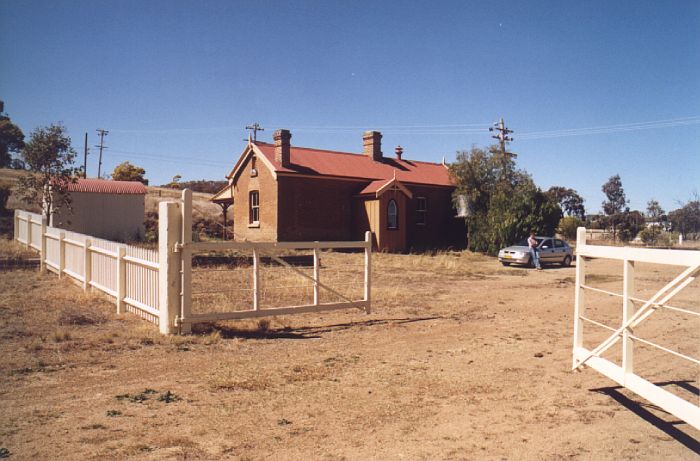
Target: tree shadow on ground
[[308, 332], [642, 409]]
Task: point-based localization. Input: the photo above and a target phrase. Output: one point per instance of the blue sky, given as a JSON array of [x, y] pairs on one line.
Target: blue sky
[[175, 82]]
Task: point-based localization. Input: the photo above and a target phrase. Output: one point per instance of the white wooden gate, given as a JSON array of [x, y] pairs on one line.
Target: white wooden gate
[[624, 375], [176, 251]]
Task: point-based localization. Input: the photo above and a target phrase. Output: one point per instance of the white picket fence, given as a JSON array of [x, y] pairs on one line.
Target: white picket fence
[[125, 272], [633, 317]]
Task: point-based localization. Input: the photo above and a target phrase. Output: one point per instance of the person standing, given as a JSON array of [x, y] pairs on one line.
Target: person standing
[[534, 251]]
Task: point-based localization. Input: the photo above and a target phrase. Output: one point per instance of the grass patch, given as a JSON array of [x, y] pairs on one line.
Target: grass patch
[[60, 336], [81, 315]]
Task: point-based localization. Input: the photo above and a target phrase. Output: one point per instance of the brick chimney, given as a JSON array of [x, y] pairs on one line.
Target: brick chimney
[[372, 142], [399, 152], [282, 147]]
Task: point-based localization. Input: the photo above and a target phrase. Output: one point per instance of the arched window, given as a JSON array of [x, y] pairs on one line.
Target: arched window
[[253, 207], [392, 214]]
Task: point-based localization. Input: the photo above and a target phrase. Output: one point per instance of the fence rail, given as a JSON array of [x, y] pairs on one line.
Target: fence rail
[[127, 273], [631, 318]]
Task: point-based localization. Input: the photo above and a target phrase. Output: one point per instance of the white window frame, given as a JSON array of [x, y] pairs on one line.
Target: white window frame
[[395, 215], [254, 207]]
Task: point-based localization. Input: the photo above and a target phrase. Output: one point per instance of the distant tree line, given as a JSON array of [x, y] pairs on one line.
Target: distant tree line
[[202, 185]]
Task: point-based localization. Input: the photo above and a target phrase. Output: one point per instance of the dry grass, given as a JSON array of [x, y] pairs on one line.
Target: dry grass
[[10, 249], [459, 360]]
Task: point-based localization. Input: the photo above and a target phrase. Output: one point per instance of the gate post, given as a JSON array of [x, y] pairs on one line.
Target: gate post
[[186, 258], [256, 279], [317, 275], [627, 312], [169, 281], [579, 302], [368, 272]]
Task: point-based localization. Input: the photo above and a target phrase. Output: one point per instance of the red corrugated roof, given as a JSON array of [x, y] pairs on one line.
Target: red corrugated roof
[[103, 186], [374, 186], [344, 164]]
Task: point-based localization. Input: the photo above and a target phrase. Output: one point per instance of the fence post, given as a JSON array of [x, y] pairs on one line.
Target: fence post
[[579, 302], [16, 229], [186, 258], [29, 231], [627, 312], [87, 276], [121, 279], [42, 251], [317, 275], [61, 254], [368, 272], [169, 229], [256, 279]]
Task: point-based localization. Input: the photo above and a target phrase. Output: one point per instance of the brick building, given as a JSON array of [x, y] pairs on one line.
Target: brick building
[[281, 192]]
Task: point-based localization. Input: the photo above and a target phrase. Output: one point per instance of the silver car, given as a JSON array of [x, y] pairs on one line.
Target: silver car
[[552, 251]]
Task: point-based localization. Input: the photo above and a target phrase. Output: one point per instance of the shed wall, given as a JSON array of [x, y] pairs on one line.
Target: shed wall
[[109, 216]]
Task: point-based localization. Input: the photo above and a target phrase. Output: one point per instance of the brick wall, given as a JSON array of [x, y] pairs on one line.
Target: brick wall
[[442, 229], [266, 185], [317, 209]]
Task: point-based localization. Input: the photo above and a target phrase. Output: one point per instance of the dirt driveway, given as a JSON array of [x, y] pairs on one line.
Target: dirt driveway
[[460, 359]]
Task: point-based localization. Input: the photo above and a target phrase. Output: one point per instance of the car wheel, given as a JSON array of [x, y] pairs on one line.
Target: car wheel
[[505, 263], [567, 261]]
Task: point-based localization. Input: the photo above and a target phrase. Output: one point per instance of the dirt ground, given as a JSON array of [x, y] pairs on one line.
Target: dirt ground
[[460, 359]]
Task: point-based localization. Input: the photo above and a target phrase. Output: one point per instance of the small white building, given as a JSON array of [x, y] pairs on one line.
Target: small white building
[[112, 210]]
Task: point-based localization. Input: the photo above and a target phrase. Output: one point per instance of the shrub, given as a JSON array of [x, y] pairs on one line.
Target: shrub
[[568, 225], [5, 192]]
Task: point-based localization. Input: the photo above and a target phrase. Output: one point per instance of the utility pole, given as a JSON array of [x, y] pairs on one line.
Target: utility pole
[[85, 154], [503, 137], [255, 127], [102, 133]]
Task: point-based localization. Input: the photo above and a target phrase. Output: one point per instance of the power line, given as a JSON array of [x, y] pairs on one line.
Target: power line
[[102, 133], [685, 121], [155, 156], [452, 129]]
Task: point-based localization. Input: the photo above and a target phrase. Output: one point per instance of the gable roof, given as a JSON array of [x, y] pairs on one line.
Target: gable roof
[[318, 162], [224, 195], [380, 186], [103, 186]]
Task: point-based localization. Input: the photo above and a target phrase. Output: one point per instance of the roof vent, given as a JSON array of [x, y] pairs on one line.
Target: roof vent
[[399, 152]]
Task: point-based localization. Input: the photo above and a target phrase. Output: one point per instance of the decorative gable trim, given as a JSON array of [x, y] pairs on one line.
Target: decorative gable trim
[[377, 188], [394, 184], [251, 149]]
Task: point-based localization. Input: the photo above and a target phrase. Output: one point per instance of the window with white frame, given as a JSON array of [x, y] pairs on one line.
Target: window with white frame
[[253, 207], [421, 211], [392, 214]]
